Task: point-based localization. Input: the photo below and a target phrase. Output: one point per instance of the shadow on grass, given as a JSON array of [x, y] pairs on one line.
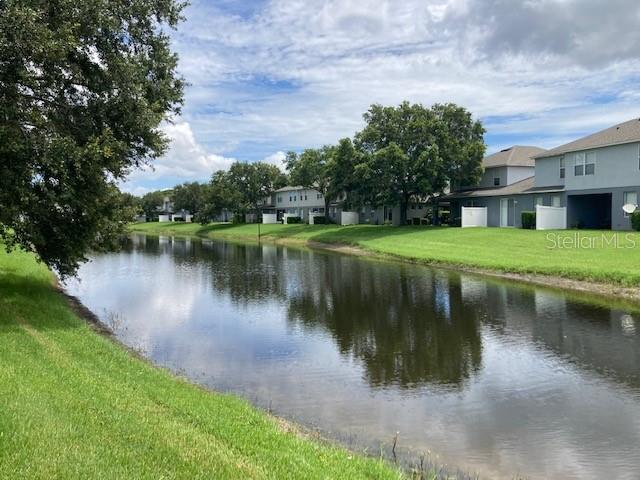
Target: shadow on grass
[[34, 301]]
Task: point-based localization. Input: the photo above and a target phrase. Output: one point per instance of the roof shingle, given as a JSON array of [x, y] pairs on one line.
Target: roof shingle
[[516, 156], [626, 132]]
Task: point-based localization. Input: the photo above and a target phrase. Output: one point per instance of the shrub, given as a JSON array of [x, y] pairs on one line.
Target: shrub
[[291, 220], [239, 218], [528, 220], [635, 220], [319, 220]]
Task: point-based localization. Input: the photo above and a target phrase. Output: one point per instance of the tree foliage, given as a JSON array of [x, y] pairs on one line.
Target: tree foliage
[[411, 151], [243, 187], [83, 88], [190, 196]]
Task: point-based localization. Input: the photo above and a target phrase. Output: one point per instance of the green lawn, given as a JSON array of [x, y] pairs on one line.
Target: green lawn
[[74, 404], [505, 250]]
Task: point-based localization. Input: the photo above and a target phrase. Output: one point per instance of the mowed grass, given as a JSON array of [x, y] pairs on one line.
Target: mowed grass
[[602, 256], [74, 404]]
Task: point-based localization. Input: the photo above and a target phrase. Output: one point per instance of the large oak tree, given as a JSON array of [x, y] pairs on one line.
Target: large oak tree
[[84, 86], [415, 152]]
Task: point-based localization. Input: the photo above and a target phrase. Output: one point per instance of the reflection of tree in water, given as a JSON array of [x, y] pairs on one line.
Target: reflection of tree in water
[[406, 330], [407, 326]]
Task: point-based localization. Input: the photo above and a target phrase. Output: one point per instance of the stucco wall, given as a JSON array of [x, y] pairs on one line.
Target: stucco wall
[[616, 166], [299, 199], [547, 172]]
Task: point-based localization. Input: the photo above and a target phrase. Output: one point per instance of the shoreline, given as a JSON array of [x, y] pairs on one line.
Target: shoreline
[[406, 461], [603, 290]]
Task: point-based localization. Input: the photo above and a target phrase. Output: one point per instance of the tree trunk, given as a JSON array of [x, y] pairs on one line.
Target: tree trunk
[[327, 201], [404, 203]]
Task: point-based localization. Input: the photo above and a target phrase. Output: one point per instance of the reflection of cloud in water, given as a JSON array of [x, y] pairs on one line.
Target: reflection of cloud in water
[[495, 378]]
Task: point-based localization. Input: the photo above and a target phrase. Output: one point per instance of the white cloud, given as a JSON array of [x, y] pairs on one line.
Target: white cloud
[[276, 159], [185, 160], [292, 74]]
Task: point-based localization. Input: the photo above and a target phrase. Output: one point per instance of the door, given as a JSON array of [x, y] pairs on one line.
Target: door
[[504, 212]]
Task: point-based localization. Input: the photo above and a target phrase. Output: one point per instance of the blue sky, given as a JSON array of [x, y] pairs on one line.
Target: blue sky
[[270, 76]]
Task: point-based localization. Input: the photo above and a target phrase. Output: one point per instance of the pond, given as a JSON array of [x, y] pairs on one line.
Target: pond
[[488, 376]]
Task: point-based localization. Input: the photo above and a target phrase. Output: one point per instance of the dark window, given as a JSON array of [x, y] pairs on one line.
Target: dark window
[[562, 170], [590, 169], [496, 181], [579, 170]]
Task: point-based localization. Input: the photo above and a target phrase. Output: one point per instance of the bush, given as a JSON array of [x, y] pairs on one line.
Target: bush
[[239, 218], [292, 220], [635, 220], [529, 220], [320, 220]]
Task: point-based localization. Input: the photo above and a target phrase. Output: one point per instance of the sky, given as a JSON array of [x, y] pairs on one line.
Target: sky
[[269, 76]]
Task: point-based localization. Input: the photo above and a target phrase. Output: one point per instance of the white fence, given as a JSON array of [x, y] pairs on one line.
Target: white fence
[[474, 217], [551, 218], [312, 217], [287, 216], [349, 218], [268, 218]]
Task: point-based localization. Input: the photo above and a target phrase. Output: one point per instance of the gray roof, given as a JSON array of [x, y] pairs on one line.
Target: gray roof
[[626, 132], [516, 156], [291, 189], [522, 187]]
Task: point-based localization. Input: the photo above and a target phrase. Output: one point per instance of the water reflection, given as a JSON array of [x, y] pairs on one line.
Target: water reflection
[[494, 378]]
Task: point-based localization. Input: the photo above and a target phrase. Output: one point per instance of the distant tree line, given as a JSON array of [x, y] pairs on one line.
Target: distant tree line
[[405, 153]]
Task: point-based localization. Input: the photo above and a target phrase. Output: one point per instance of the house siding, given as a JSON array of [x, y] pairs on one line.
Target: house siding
[[615, 166], [547, 172]]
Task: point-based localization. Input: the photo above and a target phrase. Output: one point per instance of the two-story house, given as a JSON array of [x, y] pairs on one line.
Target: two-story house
[[507, 188], [593, 177], [597, 175], [301, 201]]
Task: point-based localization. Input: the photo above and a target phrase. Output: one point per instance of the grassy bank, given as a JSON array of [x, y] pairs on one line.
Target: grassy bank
[[503, 250], [74, 404]]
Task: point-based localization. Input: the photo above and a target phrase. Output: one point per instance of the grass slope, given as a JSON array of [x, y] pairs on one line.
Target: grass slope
[[506, 250], [74, 404]]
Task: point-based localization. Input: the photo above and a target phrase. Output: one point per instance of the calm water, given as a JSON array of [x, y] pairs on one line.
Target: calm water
[[492, 378]]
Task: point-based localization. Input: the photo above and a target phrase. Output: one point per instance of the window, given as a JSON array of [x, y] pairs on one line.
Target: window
[[562, 169], [279, 199], [585, 164], [318, 196], [629, 197], [578, 170], [295, 198], [290, 198], [555, 200], [496, 181], [305, 197], [539, 200], [590, 166]]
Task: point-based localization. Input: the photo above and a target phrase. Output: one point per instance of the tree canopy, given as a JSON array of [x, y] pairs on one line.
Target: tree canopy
[[84, 87], [245, 186], [190, 196], [411, 151]]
